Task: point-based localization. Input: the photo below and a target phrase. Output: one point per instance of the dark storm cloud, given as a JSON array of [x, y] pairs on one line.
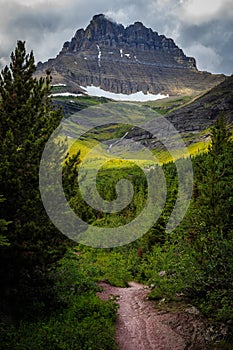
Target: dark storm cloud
[[215, 35], [202, 28], [18, 22]]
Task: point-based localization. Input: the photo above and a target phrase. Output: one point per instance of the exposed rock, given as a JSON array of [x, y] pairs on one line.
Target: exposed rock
[[126, 60], [192, 310], [162, 273]]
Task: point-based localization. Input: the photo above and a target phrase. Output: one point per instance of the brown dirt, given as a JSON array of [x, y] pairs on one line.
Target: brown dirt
[[141, 327]]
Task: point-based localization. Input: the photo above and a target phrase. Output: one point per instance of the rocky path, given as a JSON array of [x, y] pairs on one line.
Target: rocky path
[[140, 327]]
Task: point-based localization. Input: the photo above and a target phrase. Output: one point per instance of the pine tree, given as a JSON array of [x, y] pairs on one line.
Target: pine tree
[[214, 181], [3, 229], [27, 119]]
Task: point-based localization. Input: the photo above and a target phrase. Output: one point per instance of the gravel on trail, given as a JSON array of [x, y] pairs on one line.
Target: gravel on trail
[[141, 327]]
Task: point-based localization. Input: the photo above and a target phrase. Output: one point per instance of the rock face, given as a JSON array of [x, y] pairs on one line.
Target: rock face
[[151, 48], [126, 60]]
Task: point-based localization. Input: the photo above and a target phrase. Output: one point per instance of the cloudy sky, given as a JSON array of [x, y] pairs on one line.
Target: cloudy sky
[[202, 28]]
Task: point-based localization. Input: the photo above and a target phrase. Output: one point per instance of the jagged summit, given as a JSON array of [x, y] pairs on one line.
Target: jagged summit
[[101, 16], [135, 38], [126, 60]]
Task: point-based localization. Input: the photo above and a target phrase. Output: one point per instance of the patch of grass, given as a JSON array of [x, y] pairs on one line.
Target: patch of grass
[[57, 89], [164, 156], [85, 100], [170, 104]]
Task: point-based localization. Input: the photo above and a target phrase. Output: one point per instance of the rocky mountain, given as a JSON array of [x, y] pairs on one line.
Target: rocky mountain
[[126, 60]]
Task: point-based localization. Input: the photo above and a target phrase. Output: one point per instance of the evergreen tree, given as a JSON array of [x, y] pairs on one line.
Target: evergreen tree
[[214, 178], [3, 229], [27, 119], [211, 226]]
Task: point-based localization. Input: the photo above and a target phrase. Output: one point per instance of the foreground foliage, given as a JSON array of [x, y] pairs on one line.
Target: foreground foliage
[[78, 319], [46, 302]]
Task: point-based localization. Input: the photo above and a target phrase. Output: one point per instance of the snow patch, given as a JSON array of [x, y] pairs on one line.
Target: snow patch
[[59, 84], [121, 53], [65, 94], [136, 97], [127, 55], [99, 55]]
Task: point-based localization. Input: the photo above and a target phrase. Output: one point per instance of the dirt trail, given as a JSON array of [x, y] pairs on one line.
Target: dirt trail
[[140, 327]]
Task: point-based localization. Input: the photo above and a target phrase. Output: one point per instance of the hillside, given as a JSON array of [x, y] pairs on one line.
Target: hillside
[[126, 60], [195, 117], [191, 115]]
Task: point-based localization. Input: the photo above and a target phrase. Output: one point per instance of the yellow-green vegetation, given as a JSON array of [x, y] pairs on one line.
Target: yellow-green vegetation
[[198, 148], [164, 156], [161, 156], [85, 147]]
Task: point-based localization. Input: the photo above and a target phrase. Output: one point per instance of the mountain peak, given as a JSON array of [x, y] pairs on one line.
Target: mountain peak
[[97, 17], [135, 38], [127, 60], [138, 24], [100, 19]]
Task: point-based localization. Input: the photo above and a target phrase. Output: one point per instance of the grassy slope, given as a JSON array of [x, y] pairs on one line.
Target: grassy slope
[[111, 132], [170, 104], [196, 143]]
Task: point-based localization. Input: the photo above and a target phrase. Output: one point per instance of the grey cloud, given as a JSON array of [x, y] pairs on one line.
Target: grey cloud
[[216, 35], [25, 23]]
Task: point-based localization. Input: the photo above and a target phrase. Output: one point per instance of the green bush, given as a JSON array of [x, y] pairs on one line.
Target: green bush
[[81, 320]]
